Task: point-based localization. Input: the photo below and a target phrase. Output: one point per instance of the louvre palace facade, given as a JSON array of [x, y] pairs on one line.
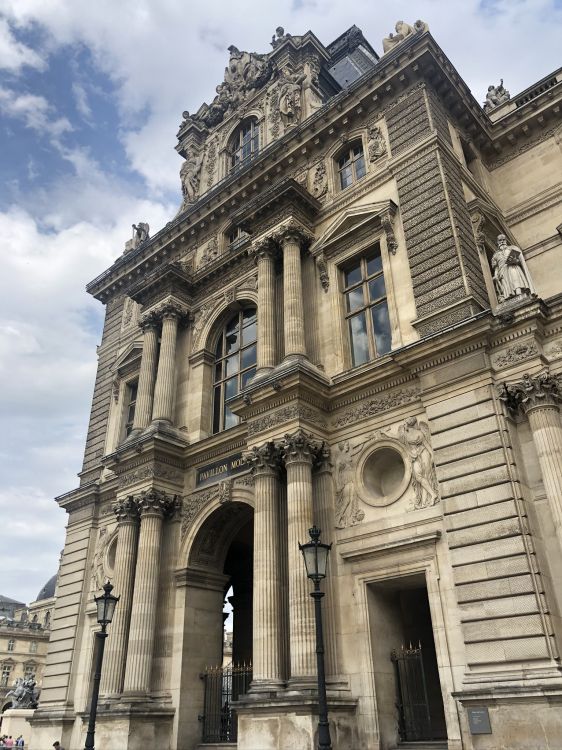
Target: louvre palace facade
[[354, 321]]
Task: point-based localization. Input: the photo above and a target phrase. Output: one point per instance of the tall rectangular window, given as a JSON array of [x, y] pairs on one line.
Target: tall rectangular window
[[131, 404], [5, 675], [366, 307]]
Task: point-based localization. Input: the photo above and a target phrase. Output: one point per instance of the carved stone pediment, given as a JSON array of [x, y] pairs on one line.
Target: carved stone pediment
[[353, 220]]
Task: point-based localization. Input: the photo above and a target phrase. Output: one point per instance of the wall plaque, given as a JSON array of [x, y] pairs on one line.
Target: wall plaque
[[226, 467], [479, 720]]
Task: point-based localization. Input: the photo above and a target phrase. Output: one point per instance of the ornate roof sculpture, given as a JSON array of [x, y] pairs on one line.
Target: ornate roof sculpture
[[279, 89]]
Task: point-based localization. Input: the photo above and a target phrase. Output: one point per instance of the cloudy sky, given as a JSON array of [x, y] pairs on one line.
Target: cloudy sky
[[91, 95]]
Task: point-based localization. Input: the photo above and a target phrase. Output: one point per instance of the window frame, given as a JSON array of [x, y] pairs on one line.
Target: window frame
[[11, 645], [237, 143], [128, 385], [243, 373], [348, 151]]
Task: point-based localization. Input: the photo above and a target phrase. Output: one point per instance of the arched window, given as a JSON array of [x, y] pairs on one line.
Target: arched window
[[244, 144], [235, 364], [351, 165]]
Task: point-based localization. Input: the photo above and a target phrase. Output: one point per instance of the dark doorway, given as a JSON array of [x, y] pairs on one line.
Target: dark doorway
[[408, 689]]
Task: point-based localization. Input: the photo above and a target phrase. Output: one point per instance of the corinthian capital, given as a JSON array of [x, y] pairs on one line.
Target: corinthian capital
[[263, 248], [292, 231], [149, 320], [299, 447], [126, 510], [532, 391], [155, 503], [264, 459]]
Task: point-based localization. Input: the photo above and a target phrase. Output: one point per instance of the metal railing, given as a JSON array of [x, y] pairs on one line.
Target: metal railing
[[223, 686]]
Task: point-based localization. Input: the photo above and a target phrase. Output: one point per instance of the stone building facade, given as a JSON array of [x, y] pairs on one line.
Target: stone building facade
[[330, 332]]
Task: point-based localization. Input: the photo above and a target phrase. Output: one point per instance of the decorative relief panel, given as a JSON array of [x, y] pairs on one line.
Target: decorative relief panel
[[194, 503], [152, 471], [293, 411], [514, 354], [376, 405]]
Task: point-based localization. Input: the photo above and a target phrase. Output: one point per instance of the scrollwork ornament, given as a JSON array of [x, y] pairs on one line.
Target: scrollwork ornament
[[391, 242], [322, 267]]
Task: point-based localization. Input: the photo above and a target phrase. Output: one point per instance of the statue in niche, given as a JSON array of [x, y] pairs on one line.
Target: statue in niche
[[290, 99], [403, 30], [376, 145], [347, 510], [190, 174], [415, 436], [496, 95], [510, 273]]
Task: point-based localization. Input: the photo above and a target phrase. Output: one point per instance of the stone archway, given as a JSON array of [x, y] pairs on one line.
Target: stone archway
[[219, 555]]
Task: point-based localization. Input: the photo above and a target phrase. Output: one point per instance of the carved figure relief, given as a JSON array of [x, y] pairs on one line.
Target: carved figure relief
[[290, 97], [510, 273], [211, 251], [190, 174], [376, 144], [417, 440], [211, 151], [347, 509], [98, 572]]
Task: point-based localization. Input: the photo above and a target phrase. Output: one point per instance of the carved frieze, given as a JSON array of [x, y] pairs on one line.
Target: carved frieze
[[514, 354], [285, 414], [373, 406], [151, 471], [194, 503]]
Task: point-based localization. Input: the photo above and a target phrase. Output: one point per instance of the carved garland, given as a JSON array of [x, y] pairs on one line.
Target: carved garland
[[374, 406]]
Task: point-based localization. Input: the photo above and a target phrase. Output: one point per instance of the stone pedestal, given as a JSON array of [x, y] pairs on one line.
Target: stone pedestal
[[15, 722], [283, 723]]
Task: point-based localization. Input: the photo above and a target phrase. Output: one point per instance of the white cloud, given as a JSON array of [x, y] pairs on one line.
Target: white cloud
[[14, 55], [35, 111]]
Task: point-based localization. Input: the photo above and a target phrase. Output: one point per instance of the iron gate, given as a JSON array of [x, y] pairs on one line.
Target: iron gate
[[223, 685], [414, 720]]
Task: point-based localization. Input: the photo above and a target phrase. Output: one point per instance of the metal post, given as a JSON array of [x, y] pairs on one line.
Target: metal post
[[324, 739], [101, 635]]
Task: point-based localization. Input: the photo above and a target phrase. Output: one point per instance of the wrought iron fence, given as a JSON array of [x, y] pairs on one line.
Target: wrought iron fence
[[413, 706], [223, 686]]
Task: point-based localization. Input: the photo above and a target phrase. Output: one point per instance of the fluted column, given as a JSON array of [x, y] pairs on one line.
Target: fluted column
[[292, 295], [165, 378], [147, 374], [125, 561], [538, 398], [324, 519], [298, 454], [264, 255], [267, 634], [153, 505]]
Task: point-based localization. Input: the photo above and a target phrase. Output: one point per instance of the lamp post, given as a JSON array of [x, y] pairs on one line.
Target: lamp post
[[106, 607], [316, 561]]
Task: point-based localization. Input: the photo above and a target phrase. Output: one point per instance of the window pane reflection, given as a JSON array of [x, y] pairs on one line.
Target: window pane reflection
[[381, 327], [359, 341]]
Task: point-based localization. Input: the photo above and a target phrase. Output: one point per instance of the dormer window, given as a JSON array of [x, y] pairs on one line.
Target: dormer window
[[245, 143], [351, 165]]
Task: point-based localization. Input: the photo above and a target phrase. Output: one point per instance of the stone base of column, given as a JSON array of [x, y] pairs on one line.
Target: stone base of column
[[302, 685], [285, 722], [271, 687], [131, 726]]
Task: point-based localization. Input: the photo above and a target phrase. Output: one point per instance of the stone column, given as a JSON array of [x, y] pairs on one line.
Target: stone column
[[267, 646], [298, 454], [153, 505], [538, 398], [165, 379], [147, 374], [125, 561], [292, 295], [324, 519], [264, 255]]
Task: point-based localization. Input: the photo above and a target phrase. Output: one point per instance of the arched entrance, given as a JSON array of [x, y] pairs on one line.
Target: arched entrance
[[220, 562]]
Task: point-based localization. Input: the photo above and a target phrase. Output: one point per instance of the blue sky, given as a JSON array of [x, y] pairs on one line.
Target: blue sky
[[91, 96]]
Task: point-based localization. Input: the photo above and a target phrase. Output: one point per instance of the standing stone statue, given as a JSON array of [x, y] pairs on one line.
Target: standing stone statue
[[496, 95], [510, 273], [140, 233], [416, 438], [190, 173], [290, 101], [347, 510]]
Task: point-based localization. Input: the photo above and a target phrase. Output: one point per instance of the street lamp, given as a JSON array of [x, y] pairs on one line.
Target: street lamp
[[105, 608], [316, 561]]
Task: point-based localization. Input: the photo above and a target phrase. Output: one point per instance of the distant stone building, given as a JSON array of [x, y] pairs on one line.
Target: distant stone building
[[354, 320], [24, 638]]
